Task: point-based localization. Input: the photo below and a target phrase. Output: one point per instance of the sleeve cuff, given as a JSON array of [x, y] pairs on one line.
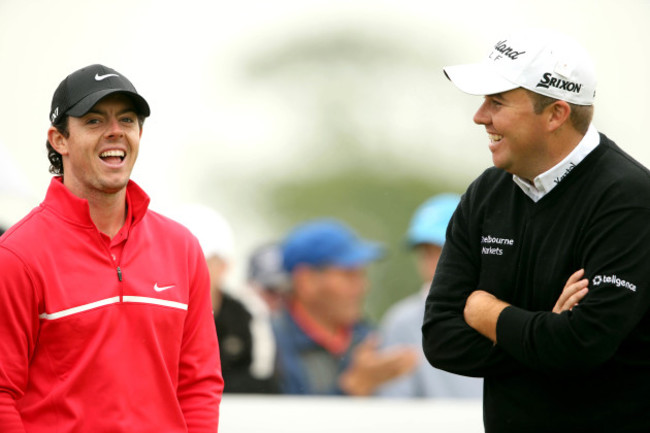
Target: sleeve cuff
[[510, 330]]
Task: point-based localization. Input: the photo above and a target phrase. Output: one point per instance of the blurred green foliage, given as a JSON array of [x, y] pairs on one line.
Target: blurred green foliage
[[343, 87], [379, 207]]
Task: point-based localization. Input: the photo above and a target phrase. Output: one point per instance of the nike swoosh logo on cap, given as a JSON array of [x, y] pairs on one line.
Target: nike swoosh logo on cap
[[103, 77], [160, 289]]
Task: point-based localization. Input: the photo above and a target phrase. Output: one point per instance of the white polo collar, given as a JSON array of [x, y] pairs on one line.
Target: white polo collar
[[548, 180]]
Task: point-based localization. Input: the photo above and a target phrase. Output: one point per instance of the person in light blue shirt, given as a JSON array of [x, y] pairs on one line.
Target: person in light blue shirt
[[401, 325]]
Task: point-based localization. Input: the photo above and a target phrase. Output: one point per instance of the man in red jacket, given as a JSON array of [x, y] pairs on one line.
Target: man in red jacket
[[105, 314]]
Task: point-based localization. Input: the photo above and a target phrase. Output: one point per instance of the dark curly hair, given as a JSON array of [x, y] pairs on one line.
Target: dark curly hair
[[56, 161]]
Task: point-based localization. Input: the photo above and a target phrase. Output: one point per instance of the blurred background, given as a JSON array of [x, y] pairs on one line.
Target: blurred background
[[275, 112]]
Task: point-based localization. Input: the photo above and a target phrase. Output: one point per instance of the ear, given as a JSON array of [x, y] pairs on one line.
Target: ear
[[57, 140], [558, 114]]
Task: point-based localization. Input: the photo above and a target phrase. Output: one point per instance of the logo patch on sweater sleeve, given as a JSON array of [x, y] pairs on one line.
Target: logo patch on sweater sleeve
[[614, 280]]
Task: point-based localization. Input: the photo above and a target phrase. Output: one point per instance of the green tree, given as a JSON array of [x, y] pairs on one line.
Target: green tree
[[345, 86]]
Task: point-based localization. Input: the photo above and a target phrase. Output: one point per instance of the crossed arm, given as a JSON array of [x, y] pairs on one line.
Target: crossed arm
[[482, 309]]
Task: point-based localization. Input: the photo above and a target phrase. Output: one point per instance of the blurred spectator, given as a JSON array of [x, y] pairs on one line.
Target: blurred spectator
[[241, 332], [324, 345], [267, 276], [402, 323]]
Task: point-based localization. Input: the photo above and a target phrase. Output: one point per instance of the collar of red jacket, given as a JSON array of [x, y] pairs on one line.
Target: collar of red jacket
[[74, 209]]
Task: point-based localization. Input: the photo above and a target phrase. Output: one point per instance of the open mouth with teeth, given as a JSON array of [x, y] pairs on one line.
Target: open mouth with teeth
[[495, 137], [113, 156]]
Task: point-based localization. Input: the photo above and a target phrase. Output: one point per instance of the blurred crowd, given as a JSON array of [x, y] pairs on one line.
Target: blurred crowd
[[298, 325]]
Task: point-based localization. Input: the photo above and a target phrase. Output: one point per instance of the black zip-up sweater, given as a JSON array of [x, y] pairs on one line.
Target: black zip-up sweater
[[583, 370]]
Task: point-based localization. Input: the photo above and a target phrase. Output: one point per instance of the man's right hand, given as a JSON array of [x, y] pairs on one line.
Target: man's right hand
[[370, 368], [574, 290]]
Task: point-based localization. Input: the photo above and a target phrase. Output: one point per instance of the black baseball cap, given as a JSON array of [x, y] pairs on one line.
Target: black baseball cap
[[82, 89]]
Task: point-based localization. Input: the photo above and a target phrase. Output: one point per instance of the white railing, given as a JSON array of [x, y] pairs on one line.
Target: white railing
[[288, 414]]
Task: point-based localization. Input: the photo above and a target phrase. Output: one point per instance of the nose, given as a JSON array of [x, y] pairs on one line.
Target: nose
[[114, 129], [481, 117]]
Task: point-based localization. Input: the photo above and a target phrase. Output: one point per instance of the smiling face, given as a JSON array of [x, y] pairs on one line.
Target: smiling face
[[518, 136], [101, 148]]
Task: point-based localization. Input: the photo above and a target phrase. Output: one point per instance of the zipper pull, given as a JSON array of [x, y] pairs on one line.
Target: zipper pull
[[119, 274]]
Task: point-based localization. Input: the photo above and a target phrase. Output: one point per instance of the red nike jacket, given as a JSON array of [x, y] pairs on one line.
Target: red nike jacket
[[90, 342]]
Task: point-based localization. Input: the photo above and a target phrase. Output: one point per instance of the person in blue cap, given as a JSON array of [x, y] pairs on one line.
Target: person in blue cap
[[400, 326], [324, 344]]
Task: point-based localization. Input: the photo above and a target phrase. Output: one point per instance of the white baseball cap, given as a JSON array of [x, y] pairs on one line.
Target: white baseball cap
[[543, 61], [213, 231]]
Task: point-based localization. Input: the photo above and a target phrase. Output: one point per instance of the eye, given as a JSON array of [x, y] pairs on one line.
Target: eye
[[493, 101], [92, 121]]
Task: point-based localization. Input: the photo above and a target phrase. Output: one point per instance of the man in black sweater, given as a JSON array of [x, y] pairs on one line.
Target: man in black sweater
[[543, 286]]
